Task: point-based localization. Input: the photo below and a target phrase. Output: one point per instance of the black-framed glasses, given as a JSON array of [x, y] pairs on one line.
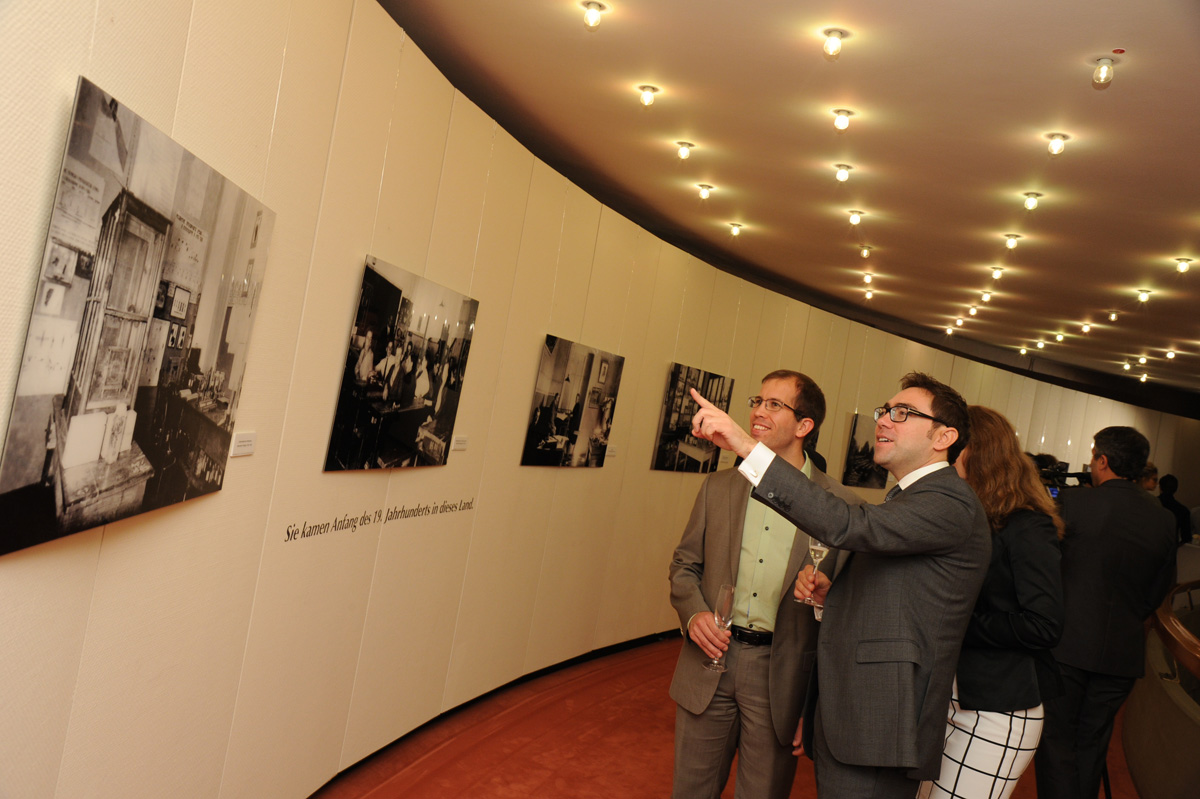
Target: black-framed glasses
[[771, 405], [900, 413]]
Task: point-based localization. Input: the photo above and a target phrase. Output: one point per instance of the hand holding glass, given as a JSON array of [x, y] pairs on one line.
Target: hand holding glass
[[723, 614], [817, 551]]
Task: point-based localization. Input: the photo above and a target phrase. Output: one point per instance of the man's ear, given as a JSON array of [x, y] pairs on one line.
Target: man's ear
[[1101, 461], [805, 427], [945, 438]]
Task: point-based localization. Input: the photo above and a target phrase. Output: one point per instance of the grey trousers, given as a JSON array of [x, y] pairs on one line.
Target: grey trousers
[[738, 719]]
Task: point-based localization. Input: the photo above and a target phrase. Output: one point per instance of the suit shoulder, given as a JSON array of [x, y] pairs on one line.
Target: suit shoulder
[[834, 487]]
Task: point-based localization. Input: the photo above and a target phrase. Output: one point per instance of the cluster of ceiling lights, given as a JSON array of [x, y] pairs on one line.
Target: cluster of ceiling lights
[[1102, 75]]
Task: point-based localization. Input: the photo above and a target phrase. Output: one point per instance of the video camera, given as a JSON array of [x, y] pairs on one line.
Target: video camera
[[1056, 477]]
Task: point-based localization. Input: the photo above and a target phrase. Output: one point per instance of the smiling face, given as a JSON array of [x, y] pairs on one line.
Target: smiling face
[[779, 429], [902, 447]]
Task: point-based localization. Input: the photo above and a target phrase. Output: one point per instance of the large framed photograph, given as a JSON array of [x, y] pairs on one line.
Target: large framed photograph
[[675, 448], [572, 412], [405, 362], [136, 347]]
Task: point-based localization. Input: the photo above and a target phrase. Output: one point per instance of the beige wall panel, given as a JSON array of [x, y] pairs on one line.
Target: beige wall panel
[[39, 67], [1000, 388], [613, 281], [1017, 389], [1043, 397], [967, 378], [818, 339], [1095, 418], [795, 334], [1064, 422], [750, 299], [1079, 450], [506, 553], [1162, 446], [722, 323], [574, 259], [420, 122], [138, 57], [230, 85], [875, 383], [697, 305], [1024, 408], [987, 384], [460, 196], [45, 596], [415, 591], [768, 352], [281, 708], [835, 433], [1187, 461]]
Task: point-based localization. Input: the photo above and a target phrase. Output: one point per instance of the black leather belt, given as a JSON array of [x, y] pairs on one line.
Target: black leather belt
[[751, 637]]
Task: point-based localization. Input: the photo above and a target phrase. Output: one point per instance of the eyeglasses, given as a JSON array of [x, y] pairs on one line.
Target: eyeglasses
[[770, 405], [900, 413]]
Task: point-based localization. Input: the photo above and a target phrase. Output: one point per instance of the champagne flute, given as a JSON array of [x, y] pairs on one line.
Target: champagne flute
[[817, 552], [723, 614]]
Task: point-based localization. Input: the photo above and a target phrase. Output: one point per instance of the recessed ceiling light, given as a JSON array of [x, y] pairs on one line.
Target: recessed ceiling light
[[997, 273], [986, 296], [1112, 316], [1085, 327], [1142, 360], [833, 40], [1170, 354], [841, 118], [1143, 295], [1010, 240], [1058, 143], [855, 217], [868, 277], [1031, 200], [869, 294], [705, 190], [1024, 351], [958, 322], [1041, 345], [1142, 379], [592, 11], [685, 149], [647, 92], [1183, 264], [1058, 336], [973, 311], [949, 331], [1103, 73], [735, 229], [843, 172], [1126, 366], [865, 251]]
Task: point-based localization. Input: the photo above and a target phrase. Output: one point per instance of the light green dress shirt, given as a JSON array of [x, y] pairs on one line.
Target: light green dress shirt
[[766, 548]]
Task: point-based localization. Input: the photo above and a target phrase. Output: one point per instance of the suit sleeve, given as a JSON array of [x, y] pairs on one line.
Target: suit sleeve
[[1031, 548], [930, 517], [687, 564]]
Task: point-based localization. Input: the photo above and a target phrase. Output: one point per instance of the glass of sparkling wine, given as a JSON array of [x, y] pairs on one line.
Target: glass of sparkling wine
[[723, 613], [817, 551]]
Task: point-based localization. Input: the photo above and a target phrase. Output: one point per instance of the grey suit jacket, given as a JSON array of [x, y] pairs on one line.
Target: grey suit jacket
[[708, 555], [896, 615]]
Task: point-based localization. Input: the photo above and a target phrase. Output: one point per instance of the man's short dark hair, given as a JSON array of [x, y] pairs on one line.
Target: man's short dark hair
[[948, 405], [1125, 448], [1168, 485], [810, 400]]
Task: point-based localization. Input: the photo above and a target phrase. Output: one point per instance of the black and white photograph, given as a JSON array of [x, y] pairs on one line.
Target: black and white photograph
[[861, 469], [675, 448], [403, 376], [573, 403], [126, 400]]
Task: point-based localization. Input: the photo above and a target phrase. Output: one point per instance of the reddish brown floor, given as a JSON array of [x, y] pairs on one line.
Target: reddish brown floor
[[601, 728]]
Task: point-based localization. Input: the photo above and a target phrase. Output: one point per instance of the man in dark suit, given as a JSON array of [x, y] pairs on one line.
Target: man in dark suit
[[753, 707], [896, 614], [1118, 562]]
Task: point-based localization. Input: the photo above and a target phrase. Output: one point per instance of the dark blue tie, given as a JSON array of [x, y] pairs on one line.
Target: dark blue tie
[[893, 493]]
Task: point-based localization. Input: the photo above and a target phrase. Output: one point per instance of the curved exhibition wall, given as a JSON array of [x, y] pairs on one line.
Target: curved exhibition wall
[[196, 650]]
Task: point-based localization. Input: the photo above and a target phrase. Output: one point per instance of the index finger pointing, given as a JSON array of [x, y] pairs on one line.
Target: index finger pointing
[[701, 401]]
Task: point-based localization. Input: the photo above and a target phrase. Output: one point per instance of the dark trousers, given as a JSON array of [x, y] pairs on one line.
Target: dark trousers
[[1079, 724], [837, 780]]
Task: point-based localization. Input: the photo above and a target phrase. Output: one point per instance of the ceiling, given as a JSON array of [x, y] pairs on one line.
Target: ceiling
[[952, 104]]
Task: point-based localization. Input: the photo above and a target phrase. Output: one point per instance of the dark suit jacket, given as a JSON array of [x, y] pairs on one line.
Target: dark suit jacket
[[1118, 562], [896, 614], [708, 555], [1017, 618]]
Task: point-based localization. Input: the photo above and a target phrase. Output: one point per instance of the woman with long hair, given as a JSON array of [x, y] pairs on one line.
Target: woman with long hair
[[995, 718]]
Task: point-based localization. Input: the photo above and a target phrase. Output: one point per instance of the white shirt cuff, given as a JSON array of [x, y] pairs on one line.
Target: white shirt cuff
[[754, 465]]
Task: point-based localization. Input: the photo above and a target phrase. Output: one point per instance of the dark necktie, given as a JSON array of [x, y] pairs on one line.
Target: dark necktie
[[893, 493]]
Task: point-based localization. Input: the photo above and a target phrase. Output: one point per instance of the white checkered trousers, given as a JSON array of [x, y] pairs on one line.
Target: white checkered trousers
[[985, 753]]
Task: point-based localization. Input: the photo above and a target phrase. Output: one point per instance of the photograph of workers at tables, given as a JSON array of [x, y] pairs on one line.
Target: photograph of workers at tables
[[405, 361], [573, 403]]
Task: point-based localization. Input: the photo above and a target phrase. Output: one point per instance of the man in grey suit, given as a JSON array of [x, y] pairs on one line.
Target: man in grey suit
[[895, 616], [753, 708]]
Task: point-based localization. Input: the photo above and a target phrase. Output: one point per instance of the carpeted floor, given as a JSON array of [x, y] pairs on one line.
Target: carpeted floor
[[599, 728]]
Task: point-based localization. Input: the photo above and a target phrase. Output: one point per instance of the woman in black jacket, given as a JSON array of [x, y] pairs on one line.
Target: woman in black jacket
[[995, 711]]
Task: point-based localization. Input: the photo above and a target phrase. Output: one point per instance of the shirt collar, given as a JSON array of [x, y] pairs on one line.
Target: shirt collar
[[917, 474]]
